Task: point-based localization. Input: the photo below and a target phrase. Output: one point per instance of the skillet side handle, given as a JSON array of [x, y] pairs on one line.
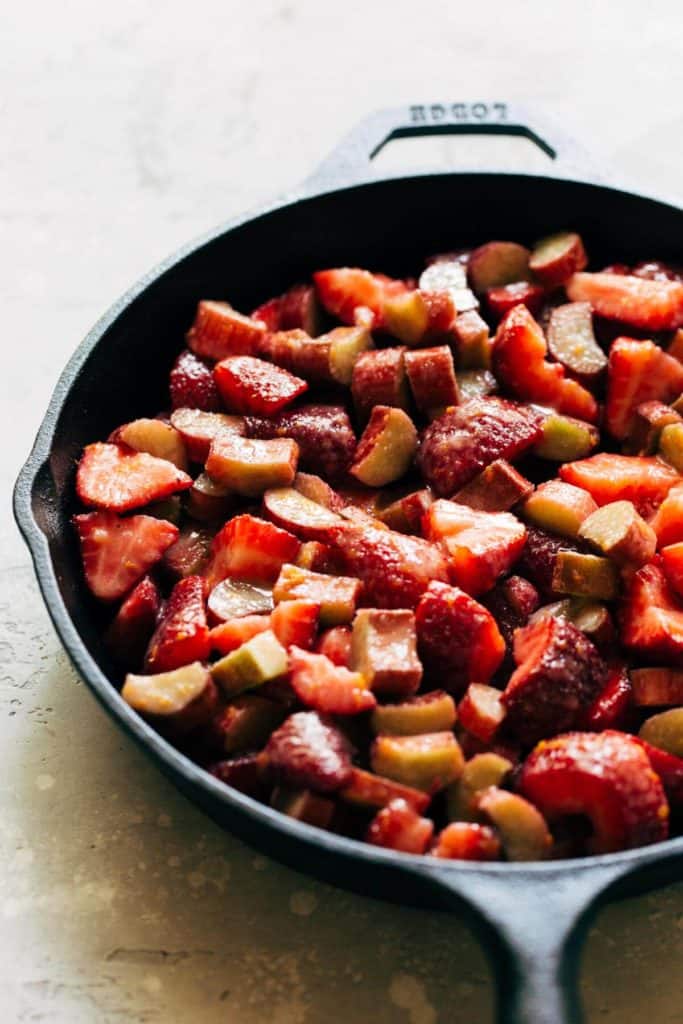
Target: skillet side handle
[[351, 161], [533, 928]]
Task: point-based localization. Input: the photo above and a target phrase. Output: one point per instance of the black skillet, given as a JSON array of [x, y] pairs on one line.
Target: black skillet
[[531, 917]]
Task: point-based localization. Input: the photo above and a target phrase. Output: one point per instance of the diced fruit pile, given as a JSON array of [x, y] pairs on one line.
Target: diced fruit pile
[[404, 558]]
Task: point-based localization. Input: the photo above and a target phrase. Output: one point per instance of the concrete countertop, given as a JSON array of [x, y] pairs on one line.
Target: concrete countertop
[[126, 130]]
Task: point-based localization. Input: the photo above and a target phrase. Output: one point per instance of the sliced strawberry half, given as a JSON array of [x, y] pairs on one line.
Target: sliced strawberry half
[[668, 519], [605, 776], [326, 687], [230, 635], [118, 479], [295, 623], [250, 549], [672, 563], [398, 826], [192, 384], [355, 295], [650, 305], [128, 635], [335, 643], [117, 552], [652, 617], [519, 362], [467, 840], [612, 707], [637, 372], [255, 387], [644, 481], [182, 635]]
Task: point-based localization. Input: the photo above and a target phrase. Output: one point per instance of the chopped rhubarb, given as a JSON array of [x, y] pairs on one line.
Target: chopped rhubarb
[[365, 789], [155, 437], [250, 467], [230, 599], [379, 378], [481, 711], [429, 762], [497, 263], [257, 661], [176, 700], [521, 827], [564, 438], [198, 429], [620, 533], [336, 595], [383, 650], [665, 731], [431, 375], [323, 433], [657, 687], [479, 773], [645, 431], [671, 445], [219, 331], [406, 514], [497, 489], [386, 448], [572, 343], [428, 712], [559, 507], [288, 508]]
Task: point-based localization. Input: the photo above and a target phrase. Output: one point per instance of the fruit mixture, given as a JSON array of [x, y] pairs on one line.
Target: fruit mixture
[[403, 559]]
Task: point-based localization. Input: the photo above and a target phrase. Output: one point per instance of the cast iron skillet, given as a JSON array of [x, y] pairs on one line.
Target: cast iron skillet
[[531, 917]]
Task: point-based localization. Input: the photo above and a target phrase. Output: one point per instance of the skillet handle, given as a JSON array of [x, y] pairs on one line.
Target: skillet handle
[[351, 161], [532, 928]]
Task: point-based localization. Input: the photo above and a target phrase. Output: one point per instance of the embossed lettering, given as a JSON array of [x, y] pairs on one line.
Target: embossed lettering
[[418, 114]]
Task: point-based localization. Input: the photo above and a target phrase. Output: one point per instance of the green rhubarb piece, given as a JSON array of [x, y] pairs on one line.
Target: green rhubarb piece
[[476, 384], [480, 772], [383, 650], [620, 533], [428, 762], [554, 610], [559, 507], [474, 342], [671, 445], [406, 316], [257, 661], [665, 731], [593, 619], [251, 466], [429, 712], [565, 439], [585, 576], [166, 695], [386, 448], [645, 431], [346, 344], [336, 595], [497, 488], [521, 826]]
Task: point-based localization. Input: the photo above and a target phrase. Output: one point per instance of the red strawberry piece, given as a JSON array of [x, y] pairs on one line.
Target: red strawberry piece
[[511, 602], [611, 708], [365, 789], [503, 298], [467, 438], [245, 774], [418, 317], [230, 635], [649, 305], [118, 479], [189, 553], [316, 557], [667, 521], [379, 378], [326, 687], [637, 372], [466, 840], [406, 514], [672, 564], [481, 711], [481, 546], [295, 623], [323, 433], [219, 331], [605, 776], [652, 617], [269, 313], [519, 362], [607, 477], [199, 429], [431, 375], [309, 752], [117, 552], [657, 687], [355, 295], [128, 635], [252, 386], [182, 635], [669, 768], [335, 643], [250, 549], [458, 639], [395, 569], [299, 309], [192, 384], [538, 558], [398, 826], [559, 674]]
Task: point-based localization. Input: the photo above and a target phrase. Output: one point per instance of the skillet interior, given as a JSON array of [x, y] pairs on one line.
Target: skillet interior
[[388, 225]]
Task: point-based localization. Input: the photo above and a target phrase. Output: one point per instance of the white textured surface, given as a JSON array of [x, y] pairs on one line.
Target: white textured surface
[[127, 129]]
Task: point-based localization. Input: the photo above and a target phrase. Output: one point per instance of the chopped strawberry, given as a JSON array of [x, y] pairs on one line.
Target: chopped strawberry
[[299, 309], [612, 706], [230, 635], [672, 564], [355, 295], [308, 752], [366, 789], [398, 826], [117, 552], [652, 617], [669, 768], [504, 297], [481, 546], [667, 521], [219, 331], [406, 514], [118, 479], [649, 305], [520, 363], [250, 549], [637, 372], [323, 686], [323, 433], [481, 711], [466, 840], [335, 643], [269, 313], [559, 674], [394, 569], [644, 481], [539, 557], [605, 776], [295, 623], [252, 386], [192, 384], [128, 635], [467, 438], [458, 639], [182, 635]]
